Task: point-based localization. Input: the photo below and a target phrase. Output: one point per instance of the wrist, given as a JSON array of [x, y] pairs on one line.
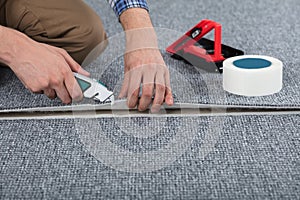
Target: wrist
[[135, 18], [138, 28], [6, 46], [10, 45], [143, 38]]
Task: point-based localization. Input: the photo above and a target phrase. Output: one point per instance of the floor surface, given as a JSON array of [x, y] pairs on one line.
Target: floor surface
[[214, 145]]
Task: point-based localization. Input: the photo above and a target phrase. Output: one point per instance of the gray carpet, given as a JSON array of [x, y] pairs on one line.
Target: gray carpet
[[258, 27], [252, 157], [165, 157]]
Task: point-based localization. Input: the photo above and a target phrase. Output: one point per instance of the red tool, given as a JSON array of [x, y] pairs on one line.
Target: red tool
[[201, 52]]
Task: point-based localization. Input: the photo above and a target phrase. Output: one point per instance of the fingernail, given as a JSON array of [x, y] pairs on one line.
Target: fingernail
[[120, 96], [78, 98], [169, 101], [142, 108], [155, 108], [130, 105]]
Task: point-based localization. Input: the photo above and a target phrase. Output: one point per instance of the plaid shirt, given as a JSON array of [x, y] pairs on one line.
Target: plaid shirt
[[120, 6]]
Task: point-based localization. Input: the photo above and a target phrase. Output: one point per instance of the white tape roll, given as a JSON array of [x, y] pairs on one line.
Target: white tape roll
[[252, 75]]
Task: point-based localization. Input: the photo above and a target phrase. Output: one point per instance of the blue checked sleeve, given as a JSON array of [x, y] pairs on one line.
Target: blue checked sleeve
[[120, 6]]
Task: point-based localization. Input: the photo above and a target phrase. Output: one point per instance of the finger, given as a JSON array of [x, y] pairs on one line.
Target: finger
[[168, 95], [83, 72], [73, 64], [61, 90], [134, 87], [73, 87], [124, 89], [147, 89], [160, 90], [63, 94], [50, 93], [146, 98]]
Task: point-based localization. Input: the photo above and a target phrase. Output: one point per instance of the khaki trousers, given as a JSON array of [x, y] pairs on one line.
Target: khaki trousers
[[68, 24]]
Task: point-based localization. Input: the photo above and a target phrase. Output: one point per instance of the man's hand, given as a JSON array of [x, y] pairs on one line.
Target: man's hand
[[40, 67], [146, 67], [144, 64]]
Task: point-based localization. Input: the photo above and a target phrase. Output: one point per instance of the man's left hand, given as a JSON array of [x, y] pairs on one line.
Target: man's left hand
[[146, 68], [144, 65]]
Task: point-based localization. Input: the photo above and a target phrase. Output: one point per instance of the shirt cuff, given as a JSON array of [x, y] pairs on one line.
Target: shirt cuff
[[119, 6]]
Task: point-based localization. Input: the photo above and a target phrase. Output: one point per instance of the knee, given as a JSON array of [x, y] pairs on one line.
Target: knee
[[15, 14], [91, 41]]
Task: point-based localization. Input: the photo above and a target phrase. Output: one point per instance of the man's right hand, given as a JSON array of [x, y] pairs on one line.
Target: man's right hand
[[40, 67]]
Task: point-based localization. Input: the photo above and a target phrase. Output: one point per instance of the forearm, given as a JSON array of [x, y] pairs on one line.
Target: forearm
[[135, 18], [6, 46], [10, 43], [144, 64], [139, 30]]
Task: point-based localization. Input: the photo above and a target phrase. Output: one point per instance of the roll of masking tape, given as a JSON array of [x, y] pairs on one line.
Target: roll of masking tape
[[252, 75]]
